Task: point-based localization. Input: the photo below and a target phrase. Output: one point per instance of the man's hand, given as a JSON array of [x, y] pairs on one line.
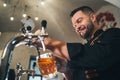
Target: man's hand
[[47, 39], [38, 32]]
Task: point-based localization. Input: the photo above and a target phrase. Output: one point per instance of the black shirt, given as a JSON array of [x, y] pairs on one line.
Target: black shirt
[[103, 55]]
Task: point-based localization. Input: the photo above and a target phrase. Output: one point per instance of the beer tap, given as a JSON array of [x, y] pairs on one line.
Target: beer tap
[[43, 33], [42, 36], [21, 71], [26, 39]]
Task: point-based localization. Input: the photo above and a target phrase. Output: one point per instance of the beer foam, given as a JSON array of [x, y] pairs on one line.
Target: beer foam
[[46, 55]]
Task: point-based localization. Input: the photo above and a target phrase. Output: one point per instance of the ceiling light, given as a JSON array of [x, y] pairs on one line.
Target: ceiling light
[[24, 15], [4, 4], [11, 18], [36, 18], [24, 12], [42, 2]]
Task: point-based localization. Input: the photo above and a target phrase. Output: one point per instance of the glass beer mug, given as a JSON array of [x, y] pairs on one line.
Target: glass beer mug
[[47, 65]]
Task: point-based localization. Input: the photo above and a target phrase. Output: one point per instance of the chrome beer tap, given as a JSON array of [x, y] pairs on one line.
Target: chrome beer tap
[[25, 39], [21, 71]]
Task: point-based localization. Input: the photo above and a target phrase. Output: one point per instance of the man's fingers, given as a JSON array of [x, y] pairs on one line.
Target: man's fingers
[[38, 32]]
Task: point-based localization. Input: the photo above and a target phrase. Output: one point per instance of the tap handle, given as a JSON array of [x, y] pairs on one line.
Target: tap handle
[[43, 25], [18, 66]]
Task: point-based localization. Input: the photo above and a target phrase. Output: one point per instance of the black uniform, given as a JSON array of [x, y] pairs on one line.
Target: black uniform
[[100, 55]]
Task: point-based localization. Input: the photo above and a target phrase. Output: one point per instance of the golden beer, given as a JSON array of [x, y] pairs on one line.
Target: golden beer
[[47, 67]]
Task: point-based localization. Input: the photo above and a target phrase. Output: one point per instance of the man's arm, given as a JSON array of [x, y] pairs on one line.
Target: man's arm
[[57, 47]]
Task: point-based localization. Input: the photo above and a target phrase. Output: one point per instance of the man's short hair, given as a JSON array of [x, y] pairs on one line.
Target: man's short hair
[[85, 9]]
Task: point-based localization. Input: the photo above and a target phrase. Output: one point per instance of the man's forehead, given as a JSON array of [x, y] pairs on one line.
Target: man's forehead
[[77, 15]]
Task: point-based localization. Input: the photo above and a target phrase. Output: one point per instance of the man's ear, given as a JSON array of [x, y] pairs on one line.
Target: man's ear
[[93, 17]]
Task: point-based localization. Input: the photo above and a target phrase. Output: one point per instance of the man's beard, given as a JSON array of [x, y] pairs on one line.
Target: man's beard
[[89, 31]]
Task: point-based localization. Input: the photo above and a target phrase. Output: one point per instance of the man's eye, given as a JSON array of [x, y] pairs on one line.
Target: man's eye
[[79, 20]]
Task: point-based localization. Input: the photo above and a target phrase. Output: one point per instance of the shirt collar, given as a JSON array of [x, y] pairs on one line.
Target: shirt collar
[[98, 32]]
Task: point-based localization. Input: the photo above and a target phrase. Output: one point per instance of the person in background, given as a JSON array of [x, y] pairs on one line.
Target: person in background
[[99, 58]]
